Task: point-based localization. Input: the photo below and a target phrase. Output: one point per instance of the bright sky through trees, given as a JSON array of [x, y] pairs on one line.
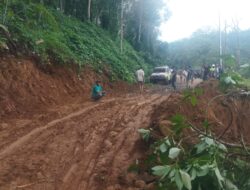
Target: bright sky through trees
[[189, 15]]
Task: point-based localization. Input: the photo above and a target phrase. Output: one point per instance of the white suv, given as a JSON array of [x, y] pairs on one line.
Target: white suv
[[161, 74]]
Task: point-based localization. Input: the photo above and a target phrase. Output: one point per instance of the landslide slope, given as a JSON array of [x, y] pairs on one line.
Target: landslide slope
[[31, 28]]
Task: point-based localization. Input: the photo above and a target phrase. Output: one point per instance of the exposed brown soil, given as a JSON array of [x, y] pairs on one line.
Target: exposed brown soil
[[53, 137], [228, 116]]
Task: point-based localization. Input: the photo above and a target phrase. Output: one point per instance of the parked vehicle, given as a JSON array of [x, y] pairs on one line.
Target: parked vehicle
[[161, 74]]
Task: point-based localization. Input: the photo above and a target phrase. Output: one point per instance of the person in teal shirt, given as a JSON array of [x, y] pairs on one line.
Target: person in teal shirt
[[97, 91]]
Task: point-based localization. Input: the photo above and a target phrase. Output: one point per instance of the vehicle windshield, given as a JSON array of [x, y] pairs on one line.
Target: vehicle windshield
[[159, 70]]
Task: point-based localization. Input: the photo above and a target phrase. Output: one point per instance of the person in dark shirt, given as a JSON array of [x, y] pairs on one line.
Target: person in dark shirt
[[173, 79], [205, 72]]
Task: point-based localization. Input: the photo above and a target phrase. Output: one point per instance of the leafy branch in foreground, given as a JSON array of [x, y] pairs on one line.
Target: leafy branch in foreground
[[203, 165]]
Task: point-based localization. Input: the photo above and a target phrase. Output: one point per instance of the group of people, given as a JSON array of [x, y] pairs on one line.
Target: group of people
[[213, 71], [186, 76]]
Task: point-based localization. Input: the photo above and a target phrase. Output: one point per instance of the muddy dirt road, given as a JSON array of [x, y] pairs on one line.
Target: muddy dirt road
[[84, 146]]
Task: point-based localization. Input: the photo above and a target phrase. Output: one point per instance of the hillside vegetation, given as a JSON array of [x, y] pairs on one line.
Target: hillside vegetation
[[57, 38], [203, 48]]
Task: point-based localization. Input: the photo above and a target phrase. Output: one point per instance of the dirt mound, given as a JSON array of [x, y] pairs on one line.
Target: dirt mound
[[228, 115], [28, 88], [54, 137]]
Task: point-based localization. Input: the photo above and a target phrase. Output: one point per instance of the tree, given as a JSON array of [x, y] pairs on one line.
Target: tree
[[89, 10], [122, 26]]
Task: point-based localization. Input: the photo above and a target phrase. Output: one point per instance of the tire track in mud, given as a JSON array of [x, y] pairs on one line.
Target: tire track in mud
[[88, 168], [97, 167], [19, 142], [83, 150]]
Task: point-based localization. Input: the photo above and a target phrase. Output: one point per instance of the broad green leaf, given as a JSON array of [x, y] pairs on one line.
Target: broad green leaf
[[172, 174], [178, 180], [209, 141], [163, 148], [222, 147], [161, 171], [186, 179], [219, 177], [168, 142], [202, 171], [193, 174], [229, 185], [201, 147], [174, 152]]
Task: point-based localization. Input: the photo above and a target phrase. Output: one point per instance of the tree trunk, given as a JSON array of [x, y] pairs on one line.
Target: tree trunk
[[237, 31], [61, 5], [238, 48], [89, 10], [97, 18], [225, 39], [122, 27], [140, 22]]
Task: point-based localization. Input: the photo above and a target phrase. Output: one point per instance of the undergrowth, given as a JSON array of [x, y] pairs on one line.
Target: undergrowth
[[206, 163], [55, 37]]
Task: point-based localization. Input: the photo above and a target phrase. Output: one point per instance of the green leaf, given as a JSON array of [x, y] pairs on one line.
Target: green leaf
[[222, 147], [161, 171], [178, 123], [172, 174], [178, 180], [186, 179], [168, 142], [174, 152], [163, 148], [209, 141], [202, 171], [201, 147], [229, 185], [193, 174], [219, 176]]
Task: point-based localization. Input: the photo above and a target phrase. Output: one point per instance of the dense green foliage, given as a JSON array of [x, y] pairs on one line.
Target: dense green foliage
[[203, 48], [63, 39], [70, 31]]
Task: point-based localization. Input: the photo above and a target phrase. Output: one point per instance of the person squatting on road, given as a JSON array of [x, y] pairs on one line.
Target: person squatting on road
[[97, 91], [140, 79]]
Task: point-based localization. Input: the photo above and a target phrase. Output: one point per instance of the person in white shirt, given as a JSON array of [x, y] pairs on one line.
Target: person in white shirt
[[140, 79]]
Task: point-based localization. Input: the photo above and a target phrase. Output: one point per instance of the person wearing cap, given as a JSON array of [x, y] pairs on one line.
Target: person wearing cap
[[212, 71], [97, 91]]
